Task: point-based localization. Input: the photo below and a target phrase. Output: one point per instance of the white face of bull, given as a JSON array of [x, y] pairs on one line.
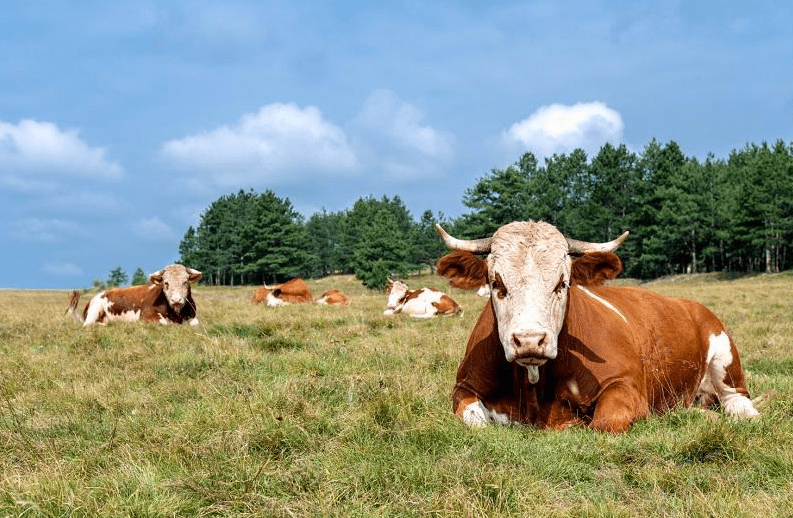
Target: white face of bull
[[175, 280], [528, 270], [529, 275]]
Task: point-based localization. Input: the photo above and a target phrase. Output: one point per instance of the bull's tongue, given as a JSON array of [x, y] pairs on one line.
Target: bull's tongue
[[531, 361], [532, 366], [533, 373]]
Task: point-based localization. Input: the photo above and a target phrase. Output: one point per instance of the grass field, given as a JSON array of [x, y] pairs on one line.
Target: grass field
[[342, 411]]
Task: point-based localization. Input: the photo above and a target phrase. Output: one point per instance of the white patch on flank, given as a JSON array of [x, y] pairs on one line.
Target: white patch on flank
[[572, 386], [98, 304], [101, 305], [419, 307], [719, 358], [604, 302], [131, 315], [477, 414]]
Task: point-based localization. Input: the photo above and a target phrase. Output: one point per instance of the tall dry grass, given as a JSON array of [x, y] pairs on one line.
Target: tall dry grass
[[342, 411]]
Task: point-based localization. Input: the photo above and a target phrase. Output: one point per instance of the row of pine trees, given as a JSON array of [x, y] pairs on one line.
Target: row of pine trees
[[684, 215]]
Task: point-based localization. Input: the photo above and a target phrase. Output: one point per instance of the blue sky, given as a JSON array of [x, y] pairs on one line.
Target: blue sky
[[120, 122]]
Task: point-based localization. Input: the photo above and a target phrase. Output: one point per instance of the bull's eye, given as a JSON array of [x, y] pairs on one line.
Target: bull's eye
[[561, 286], [497, 286], [165, 285]]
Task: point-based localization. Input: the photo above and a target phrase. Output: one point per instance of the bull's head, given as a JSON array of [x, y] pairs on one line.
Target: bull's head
[[529, 273], [175, 280]]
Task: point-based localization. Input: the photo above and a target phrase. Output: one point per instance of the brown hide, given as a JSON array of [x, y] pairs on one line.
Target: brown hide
[[463, 269], [335, 297], [150, 300], [293, 291], [608, 371]]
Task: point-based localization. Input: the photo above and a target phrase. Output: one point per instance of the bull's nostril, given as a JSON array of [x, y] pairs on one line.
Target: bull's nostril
[[530, 343]]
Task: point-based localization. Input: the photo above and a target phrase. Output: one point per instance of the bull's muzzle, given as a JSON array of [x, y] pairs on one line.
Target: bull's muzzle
[[532, 347]]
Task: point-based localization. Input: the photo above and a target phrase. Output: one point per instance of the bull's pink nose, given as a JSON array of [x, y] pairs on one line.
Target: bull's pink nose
[[529, 343]]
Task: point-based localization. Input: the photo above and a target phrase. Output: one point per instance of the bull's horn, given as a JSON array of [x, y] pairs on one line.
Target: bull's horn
[[582, 247], [475, 246]]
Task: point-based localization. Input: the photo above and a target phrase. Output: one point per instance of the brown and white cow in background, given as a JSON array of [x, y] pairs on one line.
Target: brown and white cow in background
[[293, 291], [554, 346], [423, 303], [334, 297], [168, 299]]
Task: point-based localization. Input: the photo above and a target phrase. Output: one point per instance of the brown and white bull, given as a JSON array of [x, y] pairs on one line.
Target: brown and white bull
[[334, 297], [554, 346], [423, 303], [168, 299], [293, 291]]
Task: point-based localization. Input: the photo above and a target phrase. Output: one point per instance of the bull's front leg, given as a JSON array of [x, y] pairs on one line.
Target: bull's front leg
[[557, 414], [618, 406], [476, 412]]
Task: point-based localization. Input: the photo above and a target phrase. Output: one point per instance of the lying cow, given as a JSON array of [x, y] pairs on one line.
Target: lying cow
[[555, 347], [293, 291], [168, 299], [334, 298], [423, 303]]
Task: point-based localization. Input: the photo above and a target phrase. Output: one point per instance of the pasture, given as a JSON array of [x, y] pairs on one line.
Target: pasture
[[312, 410]]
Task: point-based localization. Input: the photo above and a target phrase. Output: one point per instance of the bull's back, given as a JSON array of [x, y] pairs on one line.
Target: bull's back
[[130, 304], [669, 337]]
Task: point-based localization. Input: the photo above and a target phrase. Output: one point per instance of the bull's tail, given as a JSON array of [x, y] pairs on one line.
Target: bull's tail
[[73, 301]]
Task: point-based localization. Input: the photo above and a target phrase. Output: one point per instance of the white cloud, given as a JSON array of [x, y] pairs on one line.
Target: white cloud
[[393, 138], [153, 229], [62, 269], [283, 144], [280, 143], [559, 128], [42, 148]]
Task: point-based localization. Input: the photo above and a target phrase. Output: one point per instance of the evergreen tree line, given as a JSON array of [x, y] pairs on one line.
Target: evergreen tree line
[[684, 215]]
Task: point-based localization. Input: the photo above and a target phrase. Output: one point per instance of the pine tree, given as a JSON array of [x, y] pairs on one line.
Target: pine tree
[[139, 277], [118, 277]]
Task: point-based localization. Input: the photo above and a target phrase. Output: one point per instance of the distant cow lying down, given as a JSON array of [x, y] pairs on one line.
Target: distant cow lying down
[[334, 298], [168, 299], [423, 303], [293, 291]]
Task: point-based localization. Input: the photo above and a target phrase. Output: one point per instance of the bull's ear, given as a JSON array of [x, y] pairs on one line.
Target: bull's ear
[[156, 277], [193, 275], [276, 292], [595, 268], [463, 269]]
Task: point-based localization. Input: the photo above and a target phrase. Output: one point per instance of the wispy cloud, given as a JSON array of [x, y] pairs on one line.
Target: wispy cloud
[[393, 136], [559, 128], [62, 269], [285, 144], [42, 230], [278, 144], [37, 149], [153, 229]]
